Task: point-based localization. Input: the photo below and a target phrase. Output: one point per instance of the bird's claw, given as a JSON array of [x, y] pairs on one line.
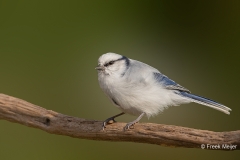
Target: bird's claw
[[108, 121], [129, 125]]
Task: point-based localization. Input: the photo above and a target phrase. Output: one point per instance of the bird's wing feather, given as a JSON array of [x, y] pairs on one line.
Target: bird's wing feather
[[168, 83], [141, 71]]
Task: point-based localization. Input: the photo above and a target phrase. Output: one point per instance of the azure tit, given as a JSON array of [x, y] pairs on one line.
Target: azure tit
[[141, 90]]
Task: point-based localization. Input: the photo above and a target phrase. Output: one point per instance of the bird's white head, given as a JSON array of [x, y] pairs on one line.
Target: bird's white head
[[112, 64]]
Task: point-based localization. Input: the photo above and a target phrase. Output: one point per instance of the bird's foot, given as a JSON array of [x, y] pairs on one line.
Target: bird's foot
[[108, 121], [129, 125]]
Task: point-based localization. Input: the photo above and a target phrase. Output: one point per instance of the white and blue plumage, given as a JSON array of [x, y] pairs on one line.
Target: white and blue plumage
[[139, 89]]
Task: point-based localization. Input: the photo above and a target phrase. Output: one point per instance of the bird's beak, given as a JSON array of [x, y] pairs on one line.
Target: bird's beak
[[99, 68]]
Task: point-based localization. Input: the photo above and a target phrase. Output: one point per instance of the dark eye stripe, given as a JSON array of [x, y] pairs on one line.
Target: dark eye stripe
[[122, 58], [109, 63], [126, 60]]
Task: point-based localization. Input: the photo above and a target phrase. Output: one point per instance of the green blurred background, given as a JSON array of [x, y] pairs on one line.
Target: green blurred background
[[49, 49]]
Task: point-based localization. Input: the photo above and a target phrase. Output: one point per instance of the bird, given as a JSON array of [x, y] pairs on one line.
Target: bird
[[138, 89]]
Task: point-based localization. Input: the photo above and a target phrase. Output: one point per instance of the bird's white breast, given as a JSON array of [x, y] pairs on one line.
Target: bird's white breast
[[137, 97]]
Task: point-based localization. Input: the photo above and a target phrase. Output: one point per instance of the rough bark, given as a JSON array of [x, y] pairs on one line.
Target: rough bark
[[19, 111]]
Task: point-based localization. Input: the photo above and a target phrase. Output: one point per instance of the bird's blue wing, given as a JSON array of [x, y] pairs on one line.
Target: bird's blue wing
[[168, 83]]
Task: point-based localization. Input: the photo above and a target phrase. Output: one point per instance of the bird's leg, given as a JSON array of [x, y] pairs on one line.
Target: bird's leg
[[111, 118], [133, 122]]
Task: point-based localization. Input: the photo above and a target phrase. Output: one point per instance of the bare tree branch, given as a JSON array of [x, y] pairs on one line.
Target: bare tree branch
[[19, 111]]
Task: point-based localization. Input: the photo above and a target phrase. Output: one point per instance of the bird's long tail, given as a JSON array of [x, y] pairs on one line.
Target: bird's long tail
[[206, 102]]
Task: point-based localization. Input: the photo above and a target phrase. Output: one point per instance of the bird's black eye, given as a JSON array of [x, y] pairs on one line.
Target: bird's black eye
[[109, 63]]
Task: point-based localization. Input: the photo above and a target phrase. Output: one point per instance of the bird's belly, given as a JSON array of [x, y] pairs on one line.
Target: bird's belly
[[136, 99]]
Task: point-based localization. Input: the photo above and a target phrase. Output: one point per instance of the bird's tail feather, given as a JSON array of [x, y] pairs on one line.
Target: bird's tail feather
[[206, 102]]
